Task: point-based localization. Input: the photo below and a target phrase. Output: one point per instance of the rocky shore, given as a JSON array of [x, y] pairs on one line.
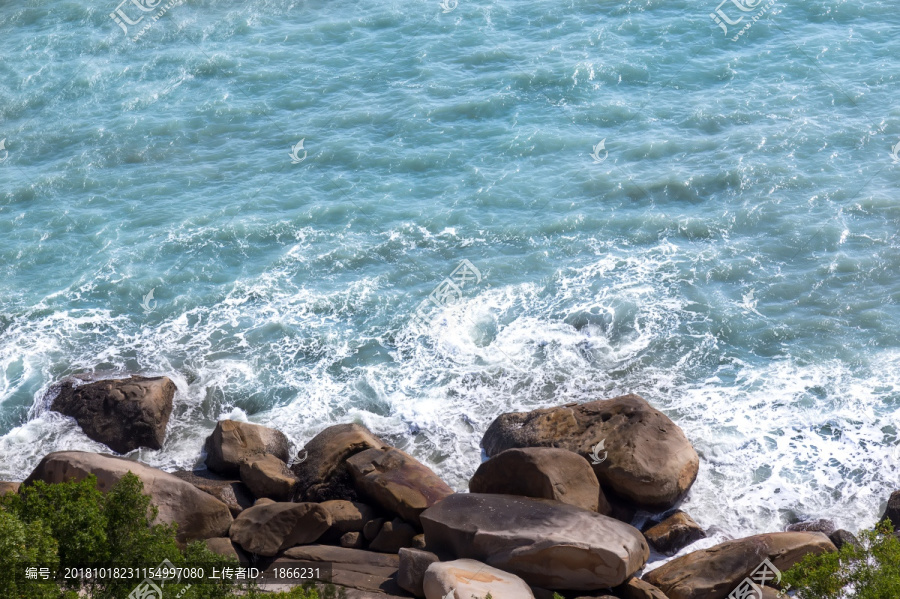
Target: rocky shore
[[551, 511]]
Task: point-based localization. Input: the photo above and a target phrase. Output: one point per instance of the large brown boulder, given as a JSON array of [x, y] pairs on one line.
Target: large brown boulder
[[123, 414], [397, 482], [645, 458], [715, 572], [267, 529], [199, 515], [542, 472], [321, 467], [465, 578], [232, 493], [547, 543], [268, 476], [232, 443], [674, 533]]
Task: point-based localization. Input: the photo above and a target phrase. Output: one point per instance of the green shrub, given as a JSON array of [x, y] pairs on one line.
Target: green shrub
[[73, 524], [869, 572], [28, 543]]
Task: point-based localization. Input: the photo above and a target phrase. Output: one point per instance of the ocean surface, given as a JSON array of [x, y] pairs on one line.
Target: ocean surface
[[629, 197]]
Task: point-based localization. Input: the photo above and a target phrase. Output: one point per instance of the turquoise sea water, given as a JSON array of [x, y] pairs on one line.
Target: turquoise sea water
[[730, 251]]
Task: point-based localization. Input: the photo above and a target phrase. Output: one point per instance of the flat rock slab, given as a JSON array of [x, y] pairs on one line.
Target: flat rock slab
[[231, 492], [715, 572], [342, 555], [199, 515], [268, 529], [541, 472], [645, 458], [397, 482], [321, 467], [364, 570], [232, 443], [123, 414], [547, 543], [467, 578]]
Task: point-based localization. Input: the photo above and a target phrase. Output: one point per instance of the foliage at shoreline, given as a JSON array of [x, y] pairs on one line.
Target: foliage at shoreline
[[868, 572], [74, 524]]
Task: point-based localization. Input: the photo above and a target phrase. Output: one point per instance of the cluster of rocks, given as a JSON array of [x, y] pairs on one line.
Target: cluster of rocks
[[545, 513]]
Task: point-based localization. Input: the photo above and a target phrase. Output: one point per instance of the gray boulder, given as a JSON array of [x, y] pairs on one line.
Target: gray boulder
[[843, 537], [547, 543]]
